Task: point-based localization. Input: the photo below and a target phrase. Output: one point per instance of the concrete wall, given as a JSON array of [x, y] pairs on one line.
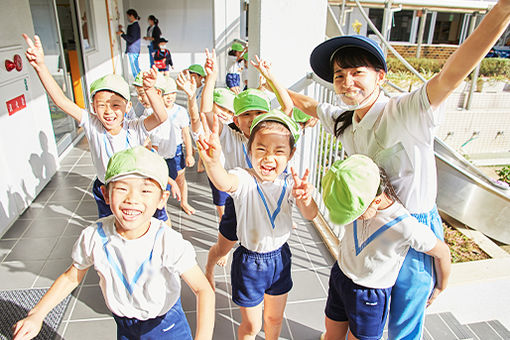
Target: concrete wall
[[28, 154]]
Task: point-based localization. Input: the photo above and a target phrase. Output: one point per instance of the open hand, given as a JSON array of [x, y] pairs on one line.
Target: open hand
[[190, 161], [434, 295], [186, 83], [302, 190], [34, 52], [208, 144], [27, 328], [174, 189], [149, 78], [263, 66]]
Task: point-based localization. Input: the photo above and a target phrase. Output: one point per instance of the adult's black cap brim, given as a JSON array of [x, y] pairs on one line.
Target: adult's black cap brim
[[320, 59]]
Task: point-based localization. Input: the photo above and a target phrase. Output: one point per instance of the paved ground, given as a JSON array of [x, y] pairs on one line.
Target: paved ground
[[37, 249]]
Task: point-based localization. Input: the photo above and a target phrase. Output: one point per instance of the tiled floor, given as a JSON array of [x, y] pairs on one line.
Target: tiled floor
[[36, 249]]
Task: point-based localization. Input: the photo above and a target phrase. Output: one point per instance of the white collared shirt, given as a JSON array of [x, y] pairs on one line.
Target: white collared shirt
[[233, 147], [371, 252], [103, 145], [254, 228], [161, 255], [398, 134]]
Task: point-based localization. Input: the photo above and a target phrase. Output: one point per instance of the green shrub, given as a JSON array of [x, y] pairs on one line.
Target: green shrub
[[490, 67], [504, 174]]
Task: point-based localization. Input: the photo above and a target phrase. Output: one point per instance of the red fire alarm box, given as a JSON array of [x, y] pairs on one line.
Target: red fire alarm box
[[16, 104]]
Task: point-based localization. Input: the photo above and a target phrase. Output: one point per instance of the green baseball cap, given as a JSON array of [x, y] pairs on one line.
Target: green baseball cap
[[299, 116], [138, 80], [349, 187], [251, 99], [169, 86], [277, 116], [137, 161], [111, 82], [225, 98], [198, 69], [237, 47], [245, 56], [161, 82]]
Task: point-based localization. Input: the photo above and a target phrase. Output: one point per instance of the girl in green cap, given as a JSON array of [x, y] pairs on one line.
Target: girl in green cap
[[263, 199]]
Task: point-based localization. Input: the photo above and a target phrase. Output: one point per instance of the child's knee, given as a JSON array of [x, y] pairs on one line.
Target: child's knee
[[251, 327], [273, 320]]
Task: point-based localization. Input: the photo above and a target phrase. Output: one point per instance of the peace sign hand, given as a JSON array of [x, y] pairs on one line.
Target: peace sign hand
[[210, 67], [149, 78], [34, 52], [263, 66], [302, 189], [187, 83], [208, 144]]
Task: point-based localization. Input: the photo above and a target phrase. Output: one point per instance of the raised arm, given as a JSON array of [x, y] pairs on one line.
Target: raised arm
[[306, 104], [469, 54], [30, 326], [159, 115], [442, 262], [188, 85], [207, 104], [264, 67], [209, 148], [35, 56], [196, 280]]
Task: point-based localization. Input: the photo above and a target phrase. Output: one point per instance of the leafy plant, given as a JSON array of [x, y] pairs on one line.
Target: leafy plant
[[504, 174]]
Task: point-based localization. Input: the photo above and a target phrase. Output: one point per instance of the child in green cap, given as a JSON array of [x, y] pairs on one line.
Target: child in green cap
[[106, 129], [234, 67], [377, 234], [263, 199], [140, 261], [143, 109]]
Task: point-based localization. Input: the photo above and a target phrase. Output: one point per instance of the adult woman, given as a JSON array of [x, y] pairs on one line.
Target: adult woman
[[152, 37], [132, 37], [398, 134]]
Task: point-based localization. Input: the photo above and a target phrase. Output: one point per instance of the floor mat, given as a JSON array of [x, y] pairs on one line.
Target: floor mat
[[14, 306]]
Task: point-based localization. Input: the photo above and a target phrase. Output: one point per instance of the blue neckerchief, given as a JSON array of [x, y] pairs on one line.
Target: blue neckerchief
[[246, 157], [272, 217], [105, 141], [375, 234], [129, 285]]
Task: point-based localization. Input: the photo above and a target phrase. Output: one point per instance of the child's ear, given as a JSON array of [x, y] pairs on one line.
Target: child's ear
[[381, 77], [292, 152], [106, 194], [164, 198], [236, 120]]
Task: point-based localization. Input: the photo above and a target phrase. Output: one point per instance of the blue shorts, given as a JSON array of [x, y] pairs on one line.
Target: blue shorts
[[233, 79], [177, 163], [219, 197], [255, 274], [104, 210], [171, 326], [365, 308], [228, 223]]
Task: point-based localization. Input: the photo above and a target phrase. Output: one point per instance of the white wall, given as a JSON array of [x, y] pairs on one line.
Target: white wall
[[28, 153], [186, 24]]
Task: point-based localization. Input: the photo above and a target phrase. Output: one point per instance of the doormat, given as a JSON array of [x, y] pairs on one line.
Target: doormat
[[15, 305]]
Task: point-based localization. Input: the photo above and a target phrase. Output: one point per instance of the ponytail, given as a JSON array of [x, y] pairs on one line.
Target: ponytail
[[342, 122], [386, 187], [154, 20]]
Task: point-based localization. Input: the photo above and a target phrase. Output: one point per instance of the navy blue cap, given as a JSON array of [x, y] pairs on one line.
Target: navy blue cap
[[320, 59]]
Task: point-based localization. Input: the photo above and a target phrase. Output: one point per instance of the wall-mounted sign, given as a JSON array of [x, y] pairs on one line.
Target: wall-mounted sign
[[16, 104]]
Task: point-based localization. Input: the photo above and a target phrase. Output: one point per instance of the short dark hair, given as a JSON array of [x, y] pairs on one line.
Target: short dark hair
[[154, 19], [270, 124], [350, 57], [133, 13], [386, 187]]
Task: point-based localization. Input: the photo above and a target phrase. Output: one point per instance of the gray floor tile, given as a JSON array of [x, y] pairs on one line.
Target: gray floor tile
[[75, 227], [218, 271], [5, 248], [200, 241], [223, 328], [300, 258], [437, 327], [31, 249], [48, 227], [500, 329], [319, 255], [17, 229], [51, 271], [63, 248], [55, 210], [306, 286], [31, 212], [460, 331], [92, 277], [86, 208], [484, 331], [309, 324], [19, 274], [66, 194], [96, 329], [90, 304]]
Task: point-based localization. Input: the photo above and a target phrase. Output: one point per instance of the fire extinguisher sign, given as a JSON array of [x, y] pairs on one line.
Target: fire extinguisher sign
[[16, 104]]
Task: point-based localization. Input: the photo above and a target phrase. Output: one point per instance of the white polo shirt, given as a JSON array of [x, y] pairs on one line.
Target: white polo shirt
[[254, 228], [234, 148], [161, 254], [168, 135], [103, 145], [371, 252], [398, 134]]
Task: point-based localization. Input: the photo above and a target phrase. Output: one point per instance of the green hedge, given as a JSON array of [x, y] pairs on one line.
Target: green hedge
[[490, 67]]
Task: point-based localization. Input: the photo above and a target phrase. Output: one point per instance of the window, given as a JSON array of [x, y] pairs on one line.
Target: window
[[86, 25]]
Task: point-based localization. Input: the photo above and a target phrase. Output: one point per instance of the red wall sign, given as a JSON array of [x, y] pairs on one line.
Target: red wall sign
[[16, 104]]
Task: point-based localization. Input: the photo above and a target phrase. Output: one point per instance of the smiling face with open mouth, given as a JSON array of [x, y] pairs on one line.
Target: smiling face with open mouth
[[270, 152], [110, 109], [133, 201]]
